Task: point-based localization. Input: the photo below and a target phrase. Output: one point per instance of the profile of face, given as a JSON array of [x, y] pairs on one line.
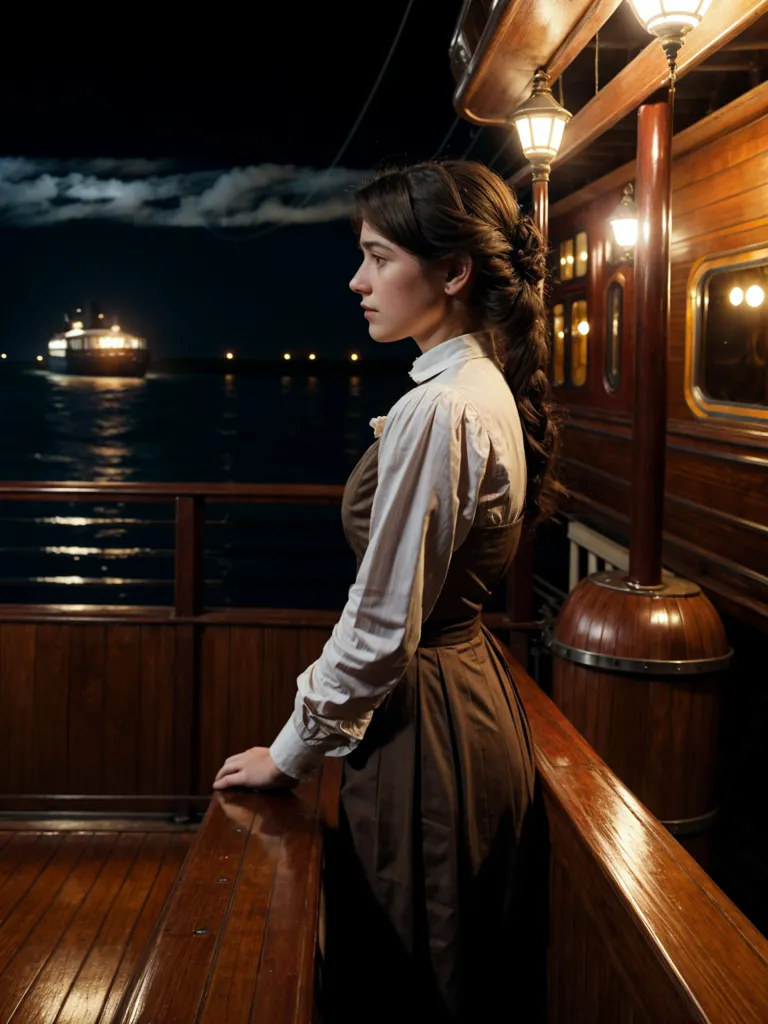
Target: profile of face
[[403, 296]]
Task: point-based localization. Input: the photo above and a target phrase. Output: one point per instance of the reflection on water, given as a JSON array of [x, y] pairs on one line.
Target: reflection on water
[[276, 428]]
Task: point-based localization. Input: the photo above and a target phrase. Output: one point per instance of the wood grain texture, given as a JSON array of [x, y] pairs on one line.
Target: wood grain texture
[[237, 941], [638, 931], [71, 907], [719, 203], [658, 733]]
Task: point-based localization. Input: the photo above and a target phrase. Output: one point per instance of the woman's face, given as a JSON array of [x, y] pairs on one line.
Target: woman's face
[[402, 297]]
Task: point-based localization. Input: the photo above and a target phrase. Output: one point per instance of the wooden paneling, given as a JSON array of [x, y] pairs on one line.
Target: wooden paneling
[[247, 687], [141, 710], [76, 909], [87, 709]]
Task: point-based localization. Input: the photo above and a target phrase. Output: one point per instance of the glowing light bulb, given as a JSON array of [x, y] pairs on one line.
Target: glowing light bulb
[[569, 259], [583, 256], [115, 327], [354, 357], [312, 355], [101, 316], [286, 355], [39, 359], [736, 296], [583, 328], [230, 355], [3, 356], [755, 296], [561, 334], [562, 261]]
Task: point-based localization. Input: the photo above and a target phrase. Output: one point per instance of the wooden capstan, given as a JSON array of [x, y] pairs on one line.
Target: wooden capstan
[[638, 656]]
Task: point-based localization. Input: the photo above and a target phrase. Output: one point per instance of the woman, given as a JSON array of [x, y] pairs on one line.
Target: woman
[[411, 689]]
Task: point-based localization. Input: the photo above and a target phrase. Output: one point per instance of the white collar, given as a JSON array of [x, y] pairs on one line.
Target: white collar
[[449, 353]]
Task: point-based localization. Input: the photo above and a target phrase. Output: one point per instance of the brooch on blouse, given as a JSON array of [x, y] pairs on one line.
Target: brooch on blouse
[[378, 425]]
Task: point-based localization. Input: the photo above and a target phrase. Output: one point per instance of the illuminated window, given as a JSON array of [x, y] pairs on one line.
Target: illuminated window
[[581, 255], [579, 341], [614, 330], [727, 343], [558, 344], [566, 260]]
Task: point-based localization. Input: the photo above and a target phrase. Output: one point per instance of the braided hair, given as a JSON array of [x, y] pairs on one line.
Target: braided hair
[[439, 209]]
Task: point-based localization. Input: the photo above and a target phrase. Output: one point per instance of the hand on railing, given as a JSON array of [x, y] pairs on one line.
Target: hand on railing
[[255, 769]]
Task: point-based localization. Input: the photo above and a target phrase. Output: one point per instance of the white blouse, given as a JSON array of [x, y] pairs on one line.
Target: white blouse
[[451, 454]]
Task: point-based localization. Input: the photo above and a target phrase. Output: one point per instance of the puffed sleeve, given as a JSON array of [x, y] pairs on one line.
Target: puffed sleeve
[[432, 458]]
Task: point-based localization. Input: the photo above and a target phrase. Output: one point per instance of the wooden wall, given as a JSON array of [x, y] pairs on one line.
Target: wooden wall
[[716, 512], [142, 712]]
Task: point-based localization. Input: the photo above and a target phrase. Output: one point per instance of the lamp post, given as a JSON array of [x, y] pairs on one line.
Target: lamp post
[[540, 122]]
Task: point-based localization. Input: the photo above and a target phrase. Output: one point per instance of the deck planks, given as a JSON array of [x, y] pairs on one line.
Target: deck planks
[[76, 910]]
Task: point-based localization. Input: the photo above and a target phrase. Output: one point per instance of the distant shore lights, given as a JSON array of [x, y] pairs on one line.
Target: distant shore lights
[[286, 355], [312, 355], [354, 357], [39, 359], [3, 355], [230, 355]]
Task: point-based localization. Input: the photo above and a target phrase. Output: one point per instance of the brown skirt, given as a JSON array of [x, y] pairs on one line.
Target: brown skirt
[[429, 910]]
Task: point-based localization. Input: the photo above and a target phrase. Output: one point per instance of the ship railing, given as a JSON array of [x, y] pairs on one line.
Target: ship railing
[[634, 929]]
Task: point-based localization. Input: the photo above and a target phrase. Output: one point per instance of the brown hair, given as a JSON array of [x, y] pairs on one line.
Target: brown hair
[[434, 210]]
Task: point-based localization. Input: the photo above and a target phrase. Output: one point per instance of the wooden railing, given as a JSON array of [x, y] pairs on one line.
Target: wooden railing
[[637, 931], [238, 940], [135, 707]]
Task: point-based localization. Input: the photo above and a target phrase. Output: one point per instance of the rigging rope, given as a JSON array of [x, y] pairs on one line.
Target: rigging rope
[[270, 229]]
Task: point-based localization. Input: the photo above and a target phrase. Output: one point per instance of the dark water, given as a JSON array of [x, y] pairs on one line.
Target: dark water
[[206, 428]]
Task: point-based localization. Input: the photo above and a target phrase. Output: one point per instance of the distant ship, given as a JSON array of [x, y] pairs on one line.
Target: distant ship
[[91, 346]]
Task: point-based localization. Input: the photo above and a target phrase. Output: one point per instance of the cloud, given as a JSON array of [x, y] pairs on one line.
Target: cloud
[[154, 193]]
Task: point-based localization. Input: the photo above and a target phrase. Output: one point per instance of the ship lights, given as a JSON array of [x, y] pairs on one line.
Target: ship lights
[[623, 223], [312, 355], [540, 122], [39, 359], [669, 22], [3, 355], [57, 345], [115, 327], [755, 296], [111, 343], [286, 355], [78, 325], [354, 357], [230, 355]]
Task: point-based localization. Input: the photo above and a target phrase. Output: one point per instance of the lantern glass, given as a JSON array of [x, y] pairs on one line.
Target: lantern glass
[[625, 232], [540, 122], [669, 17]]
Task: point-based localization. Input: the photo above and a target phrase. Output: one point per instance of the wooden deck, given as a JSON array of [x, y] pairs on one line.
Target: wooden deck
[[77, 908]]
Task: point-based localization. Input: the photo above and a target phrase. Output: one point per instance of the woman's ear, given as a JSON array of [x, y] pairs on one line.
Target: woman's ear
[[458, 273]]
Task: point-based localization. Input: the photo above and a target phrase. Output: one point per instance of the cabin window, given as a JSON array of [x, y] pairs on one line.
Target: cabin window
[[558, 344], [727, 344], [566, 260], [581, 255], [614, 330], [579, 336]]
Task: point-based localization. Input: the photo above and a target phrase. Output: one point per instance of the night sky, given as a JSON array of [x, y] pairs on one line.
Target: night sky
[[142, 169]]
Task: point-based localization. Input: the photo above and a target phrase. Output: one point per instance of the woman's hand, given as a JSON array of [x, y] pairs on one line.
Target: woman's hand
[[253, 768]]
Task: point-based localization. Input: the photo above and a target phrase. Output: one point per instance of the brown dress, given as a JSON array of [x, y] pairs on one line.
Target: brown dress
[[424, 917]]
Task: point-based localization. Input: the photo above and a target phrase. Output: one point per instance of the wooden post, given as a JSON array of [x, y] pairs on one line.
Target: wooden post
[[653, 197], [188, 597]]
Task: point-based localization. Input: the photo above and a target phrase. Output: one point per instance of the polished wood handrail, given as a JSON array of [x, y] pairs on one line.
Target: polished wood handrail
[[238, 939], [683, 950], [72, 490]]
